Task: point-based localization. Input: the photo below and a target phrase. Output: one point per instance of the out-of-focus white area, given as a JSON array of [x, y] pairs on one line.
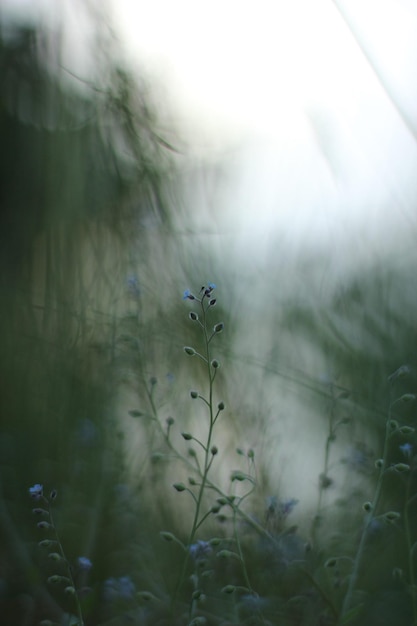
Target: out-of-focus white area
[[310, 122], [313, 125]]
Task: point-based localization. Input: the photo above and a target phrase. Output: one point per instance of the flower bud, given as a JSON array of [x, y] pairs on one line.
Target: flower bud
[[227, 554], [220, 406], [391, 516], [251, 453], [70, 591], [408, 397], [218, 327], [167, 536], [407, 430], [187, 436], [402, 467], [379, 463], [367, 507], [55, 579], [194, 394], [54, 556], [179, 486], [332, 562], [170, 421], [237, 475], [153, 381], [192, 481], [215, 508], [188, 350], [53, 494], [215, 364], [214, 450], [44, 525], [193, 316], [212, 302], [228, 589]]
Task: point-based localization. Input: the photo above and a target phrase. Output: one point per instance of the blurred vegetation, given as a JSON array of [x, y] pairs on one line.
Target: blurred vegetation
[[94, 256]]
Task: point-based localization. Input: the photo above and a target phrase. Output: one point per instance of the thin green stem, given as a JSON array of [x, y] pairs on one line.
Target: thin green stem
[[368, 520]]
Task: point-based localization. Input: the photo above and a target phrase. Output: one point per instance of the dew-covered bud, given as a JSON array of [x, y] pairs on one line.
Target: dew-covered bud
[[70, 591], [215, 364], [44, 525], [367, 507], [193, 316], [218, 327], [379, 463], [214, 450], [228, 589], [179, 486], [194, 394], [188, 350], [54, 556], [220, 406], [187, 436]]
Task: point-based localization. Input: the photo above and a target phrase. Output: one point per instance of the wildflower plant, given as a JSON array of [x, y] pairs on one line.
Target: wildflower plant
[[65, 573], [394, 429]]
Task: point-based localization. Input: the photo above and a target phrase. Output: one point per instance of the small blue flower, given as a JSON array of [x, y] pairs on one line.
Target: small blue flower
[[119, 588], [133, 285], [36, 491], [407, 450], [84, 563], [188, 295], [200, 549], [211, 286]]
